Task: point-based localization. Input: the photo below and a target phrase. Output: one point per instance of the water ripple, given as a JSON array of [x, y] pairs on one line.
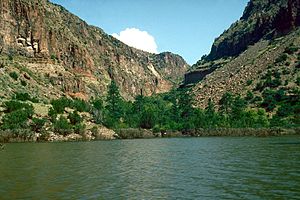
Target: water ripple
[[192, 168]]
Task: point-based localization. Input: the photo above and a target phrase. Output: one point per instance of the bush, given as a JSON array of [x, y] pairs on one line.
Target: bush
[[79, 128], [249, 82], [10, 57], [16, 105], [16, 120], [298, 81], [259, 86], [281, 58], [23, 83], [60, 104], [156, 129], [52, 114], [62, 126], [249, 96], [37, 124], [272, 83], [75, 118], [257, 99], [81, 105], [14, 75], [53, 57], [2, 65], [22, 96], [291, 49]]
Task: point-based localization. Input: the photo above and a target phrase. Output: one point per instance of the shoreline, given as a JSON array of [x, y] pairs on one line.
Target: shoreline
[[131, 133]]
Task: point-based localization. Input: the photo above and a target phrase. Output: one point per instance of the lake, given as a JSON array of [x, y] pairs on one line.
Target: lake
[[175, 168]]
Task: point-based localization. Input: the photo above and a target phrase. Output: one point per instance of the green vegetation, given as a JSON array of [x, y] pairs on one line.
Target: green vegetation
[[173, 111], [281, 58], [17, 115], [25, 97], [62, 126], [60, 104], [291, 49], [14, 75], [23, 83]]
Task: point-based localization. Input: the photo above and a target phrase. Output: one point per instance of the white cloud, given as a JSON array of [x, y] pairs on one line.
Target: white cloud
[[138, 39]]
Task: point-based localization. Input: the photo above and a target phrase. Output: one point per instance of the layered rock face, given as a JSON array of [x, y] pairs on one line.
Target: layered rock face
[[46, 33], [244, 54], [261, 19]]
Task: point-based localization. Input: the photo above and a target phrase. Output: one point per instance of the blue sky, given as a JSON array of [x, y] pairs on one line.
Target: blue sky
[[185, 27]]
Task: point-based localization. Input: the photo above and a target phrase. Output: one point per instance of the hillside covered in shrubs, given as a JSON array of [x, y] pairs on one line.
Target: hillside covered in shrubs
[[173, 111]]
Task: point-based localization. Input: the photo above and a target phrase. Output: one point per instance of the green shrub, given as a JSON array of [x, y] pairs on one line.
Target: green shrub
[[298, 81], [2, 65], [10, 57], [259, 86], [249, 96], [286, 82], [79, 128], [60, 104], [281, 58], [286, 71], [291, 49], [75, 118], [156, 129], [257, 99], [53, 57], [37, 124], [23, 83], [62, 126], [249, 82], [277, 74], [14, 75], [95, 131], [272, 83], [16, 105], [22, 96], [25, 97], [17, 119], [98, 104], [81, 105], [52, 114]]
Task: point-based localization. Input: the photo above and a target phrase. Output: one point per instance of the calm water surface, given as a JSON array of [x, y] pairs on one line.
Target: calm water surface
[[185, 168]]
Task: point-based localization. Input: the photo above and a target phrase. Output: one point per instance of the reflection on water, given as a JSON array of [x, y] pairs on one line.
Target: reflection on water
[[186, 168]]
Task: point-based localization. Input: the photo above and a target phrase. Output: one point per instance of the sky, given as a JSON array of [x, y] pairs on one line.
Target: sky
[[184, 27]]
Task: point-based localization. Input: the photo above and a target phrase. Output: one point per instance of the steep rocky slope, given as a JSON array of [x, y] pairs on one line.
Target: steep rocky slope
[[54, 53], [261, 19], [263, 43]]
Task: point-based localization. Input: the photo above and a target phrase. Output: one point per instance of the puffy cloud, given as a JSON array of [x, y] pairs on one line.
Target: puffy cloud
[[138, 39]]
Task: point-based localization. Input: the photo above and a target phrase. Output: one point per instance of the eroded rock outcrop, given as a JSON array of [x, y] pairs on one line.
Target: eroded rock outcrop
[[40, 30], [261, 19]]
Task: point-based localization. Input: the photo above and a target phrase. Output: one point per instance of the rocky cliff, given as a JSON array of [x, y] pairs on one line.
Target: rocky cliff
[[259, 52], [56, 46], [261, 19]]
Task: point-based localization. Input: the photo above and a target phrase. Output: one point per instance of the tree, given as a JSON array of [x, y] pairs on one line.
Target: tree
[[60, 104], [62, 126], [113, 105], [210, 115], [37, 124], [75, 118], [226, 103], [98, 110]]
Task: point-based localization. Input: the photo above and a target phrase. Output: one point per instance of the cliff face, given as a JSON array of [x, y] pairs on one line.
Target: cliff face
[[261, 18], [265, 42], [48, 35]]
